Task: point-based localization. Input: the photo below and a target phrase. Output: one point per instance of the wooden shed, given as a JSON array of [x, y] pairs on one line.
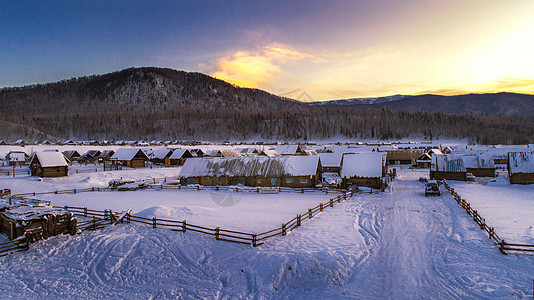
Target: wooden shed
[[364, 169], [91, 156], [72, 155], [403, 157], [17, 158], [49, 164], [521, 167], [331, 162], [179, 156], [161, 156], [105, 155], [479, 165], [449, 167], [130, 157], [290, 150], [296, 172]]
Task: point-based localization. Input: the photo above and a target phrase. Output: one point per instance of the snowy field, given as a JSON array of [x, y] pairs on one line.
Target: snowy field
[[249, 212], [397, 244], [507, 207]]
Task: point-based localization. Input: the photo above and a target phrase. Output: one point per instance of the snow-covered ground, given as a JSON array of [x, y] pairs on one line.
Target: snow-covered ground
[[249, 212], [507, 207], [396, 244]]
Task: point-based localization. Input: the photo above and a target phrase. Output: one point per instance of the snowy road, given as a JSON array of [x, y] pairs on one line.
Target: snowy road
[[396, 245]]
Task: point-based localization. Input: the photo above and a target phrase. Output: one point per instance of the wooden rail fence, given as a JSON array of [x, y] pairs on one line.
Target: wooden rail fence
[[481, 222], [99, 218], [19, 244]]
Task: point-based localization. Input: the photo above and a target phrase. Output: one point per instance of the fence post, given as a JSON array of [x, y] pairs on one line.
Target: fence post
[[320, 207], [217, 233], [298, 220], [74, 191], [501, 247], [154, 220], [94, 223], [184, 226], [331, 203], [310, 214], [128, 217], [254, 240], [283, 229], [85, 211]]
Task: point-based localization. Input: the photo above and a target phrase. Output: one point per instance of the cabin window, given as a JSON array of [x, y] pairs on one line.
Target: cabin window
[[289, 180], [274, 181], [304, 180]]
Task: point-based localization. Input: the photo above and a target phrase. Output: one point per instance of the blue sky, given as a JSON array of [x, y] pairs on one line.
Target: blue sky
[[330, 49]]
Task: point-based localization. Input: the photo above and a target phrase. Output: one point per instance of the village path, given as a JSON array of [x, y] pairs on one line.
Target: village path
[[429, 249]]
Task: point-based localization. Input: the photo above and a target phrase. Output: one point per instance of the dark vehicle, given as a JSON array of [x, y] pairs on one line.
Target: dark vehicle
[[432, 188]]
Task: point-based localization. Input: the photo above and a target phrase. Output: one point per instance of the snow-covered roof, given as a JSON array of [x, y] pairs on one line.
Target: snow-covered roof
[[447, 163], [434, 151], [521, 162], [288, 149], [251, 166], [478, 161], [127, 153], [179, 153], [367, 164], [161, 153], [331, 159], [269, 152], [49, 159], [16, 156]]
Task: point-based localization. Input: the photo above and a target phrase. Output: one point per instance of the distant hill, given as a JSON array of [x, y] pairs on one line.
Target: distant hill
[[139, 89], [494, 104], [156, 103]]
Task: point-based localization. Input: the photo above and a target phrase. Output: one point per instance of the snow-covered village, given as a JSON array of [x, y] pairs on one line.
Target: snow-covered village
[[335, 220], [267, 149]]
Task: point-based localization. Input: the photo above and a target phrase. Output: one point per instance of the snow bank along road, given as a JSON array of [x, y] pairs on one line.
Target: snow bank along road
[[397, 244]]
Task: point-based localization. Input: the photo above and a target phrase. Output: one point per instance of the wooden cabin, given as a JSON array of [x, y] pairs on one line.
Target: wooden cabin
[[521, 167], [295, 172], [48, 164], [130, 157], [105, 155], [89, 157], [364, 169], [16, 158], [269, 153], [179, 156], [449, 167], [479, 165], [331, 162], [72, 155], [403, 157], [223, 153], [161, 156]]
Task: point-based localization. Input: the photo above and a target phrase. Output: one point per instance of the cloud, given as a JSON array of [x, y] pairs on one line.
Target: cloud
[[257, 68]]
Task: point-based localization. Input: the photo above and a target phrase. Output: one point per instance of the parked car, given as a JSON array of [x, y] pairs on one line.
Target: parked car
[[432, 188]]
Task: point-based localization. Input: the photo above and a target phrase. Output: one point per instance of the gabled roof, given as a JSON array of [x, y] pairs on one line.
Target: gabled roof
[[71, 154], [521, 162], [447, 163], [128, 154], [16, 156], [251, 166], [161, 153], [106, 154], [180, 153], [269, 152], [331, 159], [368, 165], [49, 159], [288, 149]]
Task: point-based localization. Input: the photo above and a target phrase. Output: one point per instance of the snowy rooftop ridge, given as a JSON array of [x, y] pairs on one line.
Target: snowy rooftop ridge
[[251, 166], [331, 159], [521, 162], [50, 159], [126, 153]]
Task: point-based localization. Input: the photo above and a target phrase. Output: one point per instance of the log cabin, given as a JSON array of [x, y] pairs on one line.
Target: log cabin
[[179, 157], [521, 167], [48, 164], [130, 157], [364, 169]]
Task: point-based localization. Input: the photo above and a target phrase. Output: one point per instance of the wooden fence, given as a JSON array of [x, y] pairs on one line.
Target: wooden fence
[[19, 244], [481, 222], [95, 219]]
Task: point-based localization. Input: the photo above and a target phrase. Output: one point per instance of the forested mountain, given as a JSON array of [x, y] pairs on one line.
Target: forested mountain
[[153, 103], [495, 104]]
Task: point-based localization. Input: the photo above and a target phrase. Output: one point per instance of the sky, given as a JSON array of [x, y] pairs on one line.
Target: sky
[[309, 50]]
